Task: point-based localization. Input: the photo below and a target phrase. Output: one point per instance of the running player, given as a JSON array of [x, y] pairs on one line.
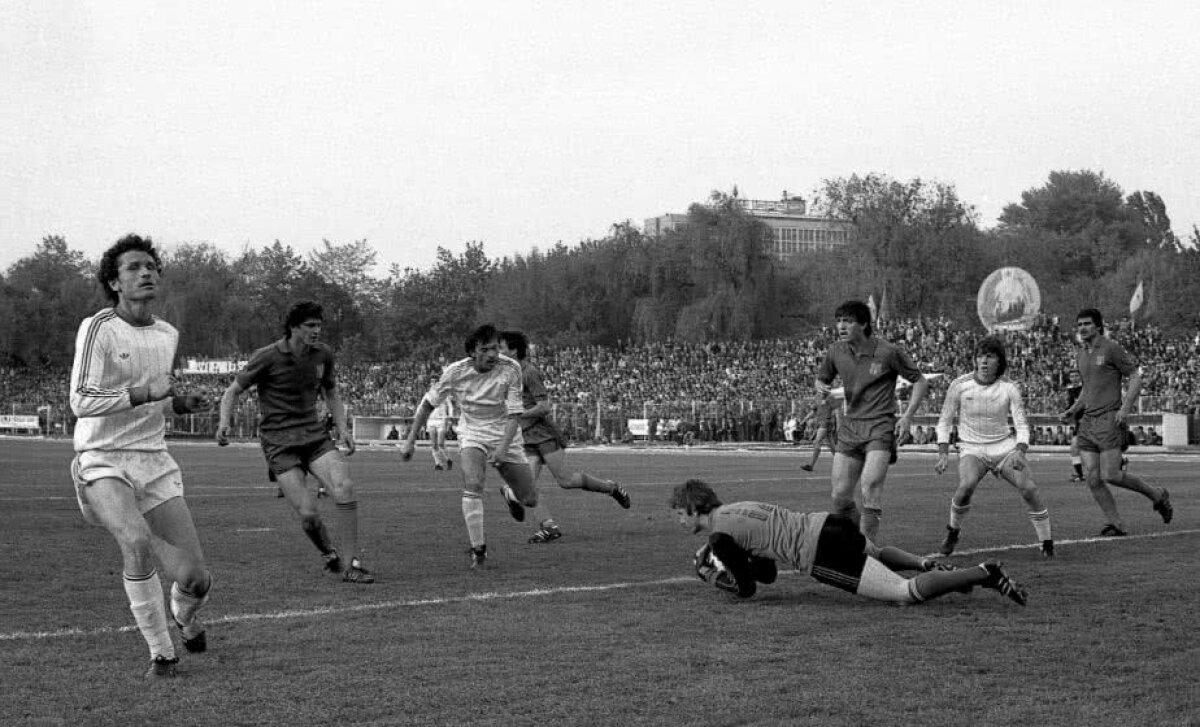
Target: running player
[[1074, 386], [748, 541], [823, 416], [125, 479], [982, 402], [1103, 365], [296, 442], [437, 427], [544, 444], [868, 430], [487, 387]]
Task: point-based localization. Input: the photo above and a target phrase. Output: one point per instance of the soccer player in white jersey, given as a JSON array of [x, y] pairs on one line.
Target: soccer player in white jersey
[[487, 387], [982, 402], [125, 480], [437, 426], [749, 541]]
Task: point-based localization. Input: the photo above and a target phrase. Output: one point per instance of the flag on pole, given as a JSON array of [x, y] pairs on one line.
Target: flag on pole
[[1136, 301], [871, 305]]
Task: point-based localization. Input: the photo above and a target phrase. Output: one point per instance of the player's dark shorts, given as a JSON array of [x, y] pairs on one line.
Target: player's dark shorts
[[542, 438], [283, 457], [841, 553], [856, 437], [1101, 432]]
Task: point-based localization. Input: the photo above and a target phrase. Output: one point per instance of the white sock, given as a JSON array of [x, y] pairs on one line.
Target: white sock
[[1041, 524], [184, 605], [472, 509], [958, 513], [146, 601]]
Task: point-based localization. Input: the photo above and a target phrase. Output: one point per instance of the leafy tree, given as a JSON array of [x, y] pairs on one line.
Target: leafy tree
[[47, 295], [203, 300], [904, 228], [431, 312], [1149, 211], [1095, 228]]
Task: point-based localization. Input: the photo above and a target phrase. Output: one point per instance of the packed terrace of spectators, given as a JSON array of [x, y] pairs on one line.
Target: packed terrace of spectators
[[721, 381]]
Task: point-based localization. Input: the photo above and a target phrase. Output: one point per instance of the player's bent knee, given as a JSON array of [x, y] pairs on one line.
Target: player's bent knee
[[573, 482]]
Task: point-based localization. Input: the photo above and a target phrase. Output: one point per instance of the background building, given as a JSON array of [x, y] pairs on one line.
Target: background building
[[794, 230]]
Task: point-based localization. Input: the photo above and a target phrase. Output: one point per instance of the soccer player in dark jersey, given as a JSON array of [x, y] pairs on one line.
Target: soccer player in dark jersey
[[1074, 386], [544, 444], [749, 541], [823, 416], [1102, 412], [290, 374], [869, 429], [125, 479]]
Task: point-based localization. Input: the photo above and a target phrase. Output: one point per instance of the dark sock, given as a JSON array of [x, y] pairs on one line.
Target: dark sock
[[316, 532]]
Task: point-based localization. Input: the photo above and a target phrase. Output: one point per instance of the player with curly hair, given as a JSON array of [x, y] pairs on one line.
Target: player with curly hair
[[748, 541]]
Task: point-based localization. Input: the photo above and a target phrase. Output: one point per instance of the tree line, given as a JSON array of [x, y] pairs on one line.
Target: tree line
[[918, 249]]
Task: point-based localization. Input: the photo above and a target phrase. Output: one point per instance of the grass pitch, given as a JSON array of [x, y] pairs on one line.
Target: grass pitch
[[608, 625]]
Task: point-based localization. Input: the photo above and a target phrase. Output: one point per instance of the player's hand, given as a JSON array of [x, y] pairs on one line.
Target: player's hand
[[1067, 417], [942, 463], [1018, 460], [160, 388], [348, 443], [702, 564], [223, 436], [190, 403], [406, 450], [1120, 416], [903, 427]]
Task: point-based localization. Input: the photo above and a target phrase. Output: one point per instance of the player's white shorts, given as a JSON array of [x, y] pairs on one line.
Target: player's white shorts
[[991, 455], [153, 476], [514, 455], [438, 425]]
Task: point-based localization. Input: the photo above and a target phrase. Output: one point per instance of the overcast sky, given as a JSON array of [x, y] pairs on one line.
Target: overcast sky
[[520, 124]]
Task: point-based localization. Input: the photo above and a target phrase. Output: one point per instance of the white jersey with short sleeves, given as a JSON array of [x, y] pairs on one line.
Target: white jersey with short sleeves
[[111, 357], [486, 399], [983, 411]]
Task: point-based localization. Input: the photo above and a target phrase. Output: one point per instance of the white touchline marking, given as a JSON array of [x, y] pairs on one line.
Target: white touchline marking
[[1076, 541], [254, 530], [497, 596]]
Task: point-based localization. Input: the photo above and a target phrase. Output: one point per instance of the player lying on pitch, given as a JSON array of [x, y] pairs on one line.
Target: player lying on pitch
[[747, 539]]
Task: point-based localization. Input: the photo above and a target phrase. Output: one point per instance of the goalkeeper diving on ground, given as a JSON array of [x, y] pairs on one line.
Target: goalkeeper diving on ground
[[749, 541]]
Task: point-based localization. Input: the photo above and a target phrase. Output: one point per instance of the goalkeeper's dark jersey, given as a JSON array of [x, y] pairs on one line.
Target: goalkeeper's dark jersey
[[770, 531]]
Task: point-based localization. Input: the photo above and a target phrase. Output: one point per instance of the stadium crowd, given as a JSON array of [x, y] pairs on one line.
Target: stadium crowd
[[734, 390]]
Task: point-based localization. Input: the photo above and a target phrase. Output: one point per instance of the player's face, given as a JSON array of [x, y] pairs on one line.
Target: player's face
[[987, 366], [1087, 329], [486, 355], [504, 349], [690, 522], [849, 329], [308, 332], [137, 276]]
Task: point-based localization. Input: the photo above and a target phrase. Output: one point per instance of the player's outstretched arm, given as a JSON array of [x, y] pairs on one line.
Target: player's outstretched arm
[[228, 401], [418, 423]]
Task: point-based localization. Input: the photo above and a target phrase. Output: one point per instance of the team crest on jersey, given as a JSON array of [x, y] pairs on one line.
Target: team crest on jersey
[[876, 368], [1099, 361], [123, 356]]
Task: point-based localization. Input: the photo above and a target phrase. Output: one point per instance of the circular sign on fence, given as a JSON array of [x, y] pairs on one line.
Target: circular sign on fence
[[1009, 300]]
